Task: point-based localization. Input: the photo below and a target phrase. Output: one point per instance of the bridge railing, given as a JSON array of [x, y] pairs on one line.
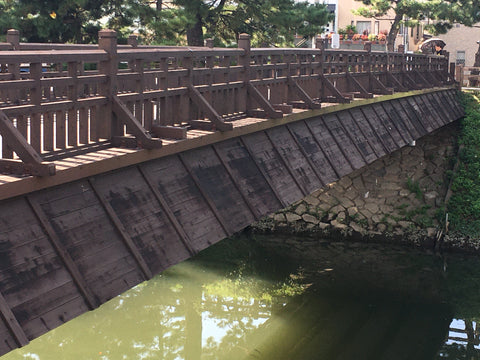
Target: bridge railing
[[57, 100]]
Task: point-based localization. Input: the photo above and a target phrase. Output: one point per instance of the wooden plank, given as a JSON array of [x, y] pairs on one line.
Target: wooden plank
[[63, 254], [449, 99], [413, 107], [83, 125], [428, 112], [235, 181], [12, 323], [329, 146], [144, 220], [367, 135], [121, 229], [344, 141], [397, 120], [390, 126], [185, 201], [216, 183], [171, 216], [253, 92], [414, 126], [294, 160], [380, 129], [444, 108], [249, 177], [170, 132], [309, 145], [60, 130], [76, 215], [307, 157], [48, 132], [268, 159], [222, 221], [124, 116]]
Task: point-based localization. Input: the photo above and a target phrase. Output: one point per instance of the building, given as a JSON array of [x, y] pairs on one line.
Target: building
[[461, 43]]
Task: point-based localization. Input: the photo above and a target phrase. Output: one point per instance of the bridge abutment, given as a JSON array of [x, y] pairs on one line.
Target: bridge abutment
[[400, 196]]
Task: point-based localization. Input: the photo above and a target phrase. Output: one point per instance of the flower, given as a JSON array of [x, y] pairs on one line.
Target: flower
[[356, 37]]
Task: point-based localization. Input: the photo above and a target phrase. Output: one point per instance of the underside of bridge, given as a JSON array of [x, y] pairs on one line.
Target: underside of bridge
[[68, 248]]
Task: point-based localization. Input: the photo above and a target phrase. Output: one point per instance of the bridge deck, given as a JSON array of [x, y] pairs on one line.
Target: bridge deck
[[109, 158]]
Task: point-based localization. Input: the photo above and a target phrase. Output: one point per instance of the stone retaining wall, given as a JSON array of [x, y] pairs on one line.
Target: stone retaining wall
[[398, 196]]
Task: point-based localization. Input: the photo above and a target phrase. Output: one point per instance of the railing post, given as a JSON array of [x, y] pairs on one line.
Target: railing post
[[244, 43], [13, 37], [459, 76], [107, 40], [133, 40], [368, 48], [209, 43]]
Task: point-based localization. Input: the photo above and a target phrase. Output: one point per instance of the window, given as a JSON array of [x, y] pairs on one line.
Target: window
[[460, 57], [376, 27], [363, 26]]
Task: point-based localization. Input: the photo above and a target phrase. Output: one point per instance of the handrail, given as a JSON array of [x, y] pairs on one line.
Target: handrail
[[59, 97]]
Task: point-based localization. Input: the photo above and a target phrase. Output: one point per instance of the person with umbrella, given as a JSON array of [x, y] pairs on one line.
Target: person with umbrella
[[433, 46]]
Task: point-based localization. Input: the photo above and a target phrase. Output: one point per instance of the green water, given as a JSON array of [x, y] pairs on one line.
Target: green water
[[286, 299]]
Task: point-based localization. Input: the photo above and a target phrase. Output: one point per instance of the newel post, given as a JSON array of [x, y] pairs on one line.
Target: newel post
[[107, 41], [13, 37], [244, 60]]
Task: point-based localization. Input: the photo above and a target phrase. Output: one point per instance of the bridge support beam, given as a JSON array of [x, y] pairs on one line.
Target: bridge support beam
[[31, 163]]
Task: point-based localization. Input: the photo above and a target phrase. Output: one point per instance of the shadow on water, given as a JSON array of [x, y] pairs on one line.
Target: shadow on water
[[285, 298]]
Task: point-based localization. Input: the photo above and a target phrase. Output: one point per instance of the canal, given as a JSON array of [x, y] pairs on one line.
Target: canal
[[272, 297]]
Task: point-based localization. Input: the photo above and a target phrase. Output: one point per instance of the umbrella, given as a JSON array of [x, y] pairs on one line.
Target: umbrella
[[428, 46]]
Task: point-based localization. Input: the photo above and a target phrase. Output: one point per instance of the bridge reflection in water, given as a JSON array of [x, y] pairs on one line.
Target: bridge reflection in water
[[278, 308]]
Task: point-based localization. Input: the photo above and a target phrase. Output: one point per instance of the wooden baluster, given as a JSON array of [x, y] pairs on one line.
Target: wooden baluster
[[72, 112], [36, 99]]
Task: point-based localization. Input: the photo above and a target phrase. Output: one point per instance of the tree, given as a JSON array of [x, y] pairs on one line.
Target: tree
[[409, 12], [268, 21]]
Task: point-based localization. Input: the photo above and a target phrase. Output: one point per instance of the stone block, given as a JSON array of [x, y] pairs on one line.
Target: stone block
[[430, 198], [310, 219], [291, 217], [345, 182], [311, 200], [338, 225], [279, 217], [300, 209], [341, 216], [372, 207], [352, 211]]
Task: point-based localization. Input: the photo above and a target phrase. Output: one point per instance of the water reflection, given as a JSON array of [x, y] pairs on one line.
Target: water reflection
[[298, 300]]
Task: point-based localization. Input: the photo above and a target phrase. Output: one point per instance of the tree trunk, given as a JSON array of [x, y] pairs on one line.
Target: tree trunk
[[392, 34], [195, 33], [159, 5]]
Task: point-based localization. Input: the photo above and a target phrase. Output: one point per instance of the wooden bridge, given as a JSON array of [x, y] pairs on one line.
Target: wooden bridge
[[120, 161]]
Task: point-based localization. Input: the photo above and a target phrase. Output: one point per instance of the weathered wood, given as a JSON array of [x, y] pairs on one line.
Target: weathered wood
[[171, 216], [121, 229], [274, 168], [234, 180], [63, 254], [293, 159], [169, 132], [23, 149], [249, 176], [344, 141], [12, 323], [124, 116], [206, 195], [212, 114], [303, 94], [363, 93], [264, 103]]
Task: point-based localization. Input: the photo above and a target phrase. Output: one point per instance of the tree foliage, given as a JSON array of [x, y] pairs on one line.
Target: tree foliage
[[268, 21], [442, 14]]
